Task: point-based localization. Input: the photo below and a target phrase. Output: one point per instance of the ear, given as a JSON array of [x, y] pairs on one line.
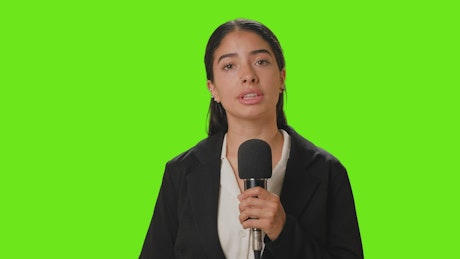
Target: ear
[[212, 90], [283, 79]]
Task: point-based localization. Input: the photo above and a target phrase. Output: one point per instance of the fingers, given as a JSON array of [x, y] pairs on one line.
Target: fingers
[[258, 192], [256, 199], [253, 217], [261, 209], [256, 206]]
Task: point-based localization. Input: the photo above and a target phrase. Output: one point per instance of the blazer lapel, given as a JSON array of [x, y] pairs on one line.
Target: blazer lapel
[[299, 184], [204, 183]]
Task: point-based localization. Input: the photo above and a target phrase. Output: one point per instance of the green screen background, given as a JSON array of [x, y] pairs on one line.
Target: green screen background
[[96, 96]]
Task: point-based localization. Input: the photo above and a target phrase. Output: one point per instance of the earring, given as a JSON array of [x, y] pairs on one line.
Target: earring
[[210, 91]]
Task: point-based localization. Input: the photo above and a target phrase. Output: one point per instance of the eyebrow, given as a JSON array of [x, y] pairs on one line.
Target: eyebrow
[[254, 52]]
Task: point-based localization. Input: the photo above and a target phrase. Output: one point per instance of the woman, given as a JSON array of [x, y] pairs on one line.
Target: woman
[[202, 210]]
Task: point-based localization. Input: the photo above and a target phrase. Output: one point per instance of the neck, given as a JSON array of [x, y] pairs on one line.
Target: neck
[[242, 132]]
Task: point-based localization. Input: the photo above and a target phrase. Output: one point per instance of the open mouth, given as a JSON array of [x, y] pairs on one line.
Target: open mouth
[[250, 96]]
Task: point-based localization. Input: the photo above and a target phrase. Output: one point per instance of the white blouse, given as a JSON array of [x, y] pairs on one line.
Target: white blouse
[[236, 241]]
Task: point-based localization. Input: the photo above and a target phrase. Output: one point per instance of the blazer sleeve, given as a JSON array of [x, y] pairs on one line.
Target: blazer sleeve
[[342, 240], [161, 234]]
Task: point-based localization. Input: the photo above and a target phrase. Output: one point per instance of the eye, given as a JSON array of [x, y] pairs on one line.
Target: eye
[[228, 66], [262, 62]]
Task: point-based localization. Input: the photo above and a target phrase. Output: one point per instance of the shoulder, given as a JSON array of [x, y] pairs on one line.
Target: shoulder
[[314, 159], [203, 152], [307, 149]]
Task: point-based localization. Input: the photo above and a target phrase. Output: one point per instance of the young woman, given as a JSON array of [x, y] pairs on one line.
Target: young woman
[[203, 211]]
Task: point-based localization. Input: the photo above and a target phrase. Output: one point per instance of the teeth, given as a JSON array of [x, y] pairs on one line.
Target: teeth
[[250, 96]]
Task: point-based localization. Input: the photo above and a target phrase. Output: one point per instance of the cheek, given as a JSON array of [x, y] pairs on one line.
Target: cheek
[[223, 92], [274, 80], [227, 76], [225, 82]]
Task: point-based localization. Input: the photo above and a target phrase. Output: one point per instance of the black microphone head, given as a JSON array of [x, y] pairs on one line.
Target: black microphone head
[[254, 160]]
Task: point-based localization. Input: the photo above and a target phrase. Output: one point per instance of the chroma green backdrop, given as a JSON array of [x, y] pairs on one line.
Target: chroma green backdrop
[[96, 96]]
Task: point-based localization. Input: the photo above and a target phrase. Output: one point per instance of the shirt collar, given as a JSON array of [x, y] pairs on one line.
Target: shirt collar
[[284, 153]]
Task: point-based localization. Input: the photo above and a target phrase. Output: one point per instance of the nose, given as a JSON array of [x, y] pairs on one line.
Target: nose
[[249, 76], [249, 79]]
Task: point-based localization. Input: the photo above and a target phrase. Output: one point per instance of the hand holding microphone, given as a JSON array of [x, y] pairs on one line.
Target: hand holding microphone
[[259, 209], [266, 208]]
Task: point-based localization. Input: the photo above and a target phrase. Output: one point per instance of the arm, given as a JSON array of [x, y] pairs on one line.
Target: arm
[[161, 235]]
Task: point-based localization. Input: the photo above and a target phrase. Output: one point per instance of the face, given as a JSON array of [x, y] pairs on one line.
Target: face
[[247, 80]]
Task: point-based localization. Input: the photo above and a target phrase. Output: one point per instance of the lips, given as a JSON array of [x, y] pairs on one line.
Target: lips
[[250, 96]]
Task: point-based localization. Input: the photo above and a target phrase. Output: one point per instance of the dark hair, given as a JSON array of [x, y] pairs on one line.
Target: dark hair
[[218, 117]]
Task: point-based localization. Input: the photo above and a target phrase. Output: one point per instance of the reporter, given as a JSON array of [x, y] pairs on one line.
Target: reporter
[[202, 210]]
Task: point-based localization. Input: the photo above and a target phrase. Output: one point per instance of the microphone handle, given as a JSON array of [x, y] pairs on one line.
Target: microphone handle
[[256, 233], [252, 182]]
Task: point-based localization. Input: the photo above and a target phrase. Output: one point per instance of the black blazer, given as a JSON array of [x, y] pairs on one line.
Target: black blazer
[[321, 219]]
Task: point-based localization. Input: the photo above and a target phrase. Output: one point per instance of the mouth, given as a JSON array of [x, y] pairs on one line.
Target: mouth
[[250, 96]]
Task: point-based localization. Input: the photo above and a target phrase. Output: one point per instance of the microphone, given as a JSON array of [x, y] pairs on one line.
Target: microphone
[[255, 167]]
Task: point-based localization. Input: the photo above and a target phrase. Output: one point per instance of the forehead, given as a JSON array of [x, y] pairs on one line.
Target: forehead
[[241, 42]]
